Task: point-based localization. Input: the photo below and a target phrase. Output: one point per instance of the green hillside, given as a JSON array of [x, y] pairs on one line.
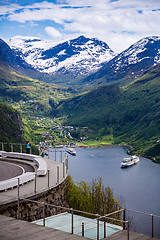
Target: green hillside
[[10, 124], [14, 130], [126, 115], [131, 113], [27, 94]]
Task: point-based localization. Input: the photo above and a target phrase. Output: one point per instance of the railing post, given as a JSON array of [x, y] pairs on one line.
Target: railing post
[[105, 228], [63, 170], [11, 147], [128, 230], [48, 152], [61, 156], [35, 183], [48, 177], [152, 226], [97, 227], [55, 154], [43, 214], [20, 148], [57, 174], [124, 218], [66, 159], [72, 221], [82, 229], [18, 186], [18, 214]]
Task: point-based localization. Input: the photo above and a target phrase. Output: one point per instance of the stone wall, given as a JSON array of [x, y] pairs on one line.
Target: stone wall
[[31, 210]]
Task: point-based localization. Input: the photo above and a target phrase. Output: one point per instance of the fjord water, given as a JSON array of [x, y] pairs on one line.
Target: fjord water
[[138, 185]]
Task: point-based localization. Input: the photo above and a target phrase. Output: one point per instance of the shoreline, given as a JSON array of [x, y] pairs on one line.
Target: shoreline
[[107, 145], [116, 145]]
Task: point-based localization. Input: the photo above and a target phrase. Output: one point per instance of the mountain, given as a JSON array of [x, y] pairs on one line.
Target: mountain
[[10, 124], [131, 113], [9, 57], [129, 64], [29, 94], [13, 59], [71, 59], [85, 62]]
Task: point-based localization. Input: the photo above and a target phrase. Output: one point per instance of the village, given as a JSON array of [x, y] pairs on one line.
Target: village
[[50, 133]]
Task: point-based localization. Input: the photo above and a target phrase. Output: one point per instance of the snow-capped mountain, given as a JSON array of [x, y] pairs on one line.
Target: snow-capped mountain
[[80, 56], [145, 49], [10, 58], [130, 63], [86, 60]]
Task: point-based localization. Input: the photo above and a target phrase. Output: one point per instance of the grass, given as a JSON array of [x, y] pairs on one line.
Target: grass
[[105, 141]]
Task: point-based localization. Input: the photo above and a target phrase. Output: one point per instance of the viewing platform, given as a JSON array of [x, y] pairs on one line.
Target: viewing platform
[[34, 176], [12, 229], [45, 175]]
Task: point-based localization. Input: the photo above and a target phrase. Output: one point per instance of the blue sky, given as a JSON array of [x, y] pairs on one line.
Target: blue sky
[[119, 23]]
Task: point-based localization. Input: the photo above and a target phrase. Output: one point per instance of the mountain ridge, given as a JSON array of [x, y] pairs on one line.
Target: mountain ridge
[[129, 64], [77, 57], [87, 62], [130, 113]]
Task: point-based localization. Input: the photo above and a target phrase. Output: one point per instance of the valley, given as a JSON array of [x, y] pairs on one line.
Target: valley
[[117, 108]]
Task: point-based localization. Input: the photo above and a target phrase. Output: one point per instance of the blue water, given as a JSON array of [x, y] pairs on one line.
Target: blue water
[[138, 186]]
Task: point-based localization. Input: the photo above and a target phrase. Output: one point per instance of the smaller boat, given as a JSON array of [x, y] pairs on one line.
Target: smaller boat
[[126, 162], [71, 151]]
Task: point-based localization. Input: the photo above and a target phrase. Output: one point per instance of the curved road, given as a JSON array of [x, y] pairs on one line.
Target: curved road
[[9, 170]]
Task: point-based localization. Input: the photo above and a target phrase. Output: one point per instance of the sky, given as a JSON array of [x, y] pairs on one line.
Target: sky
[[119, 23]]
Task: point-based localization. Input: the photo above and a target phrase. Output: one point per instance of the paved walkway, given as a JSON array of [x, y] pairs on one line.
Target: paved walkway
[[37, 185]]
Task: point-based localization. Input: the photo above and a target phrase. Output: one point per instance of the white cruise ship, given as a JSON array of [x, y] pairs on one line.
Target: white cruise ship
[[126, 162]]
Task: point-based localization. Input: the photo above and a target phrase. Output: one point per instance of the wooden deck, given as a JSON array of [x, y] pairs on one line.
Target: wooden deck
[[13, 229], [122, 235]]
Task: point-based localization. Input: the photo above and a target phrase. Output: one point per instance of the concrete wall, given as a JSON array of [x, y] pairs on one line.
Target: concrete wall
[[31, 211]]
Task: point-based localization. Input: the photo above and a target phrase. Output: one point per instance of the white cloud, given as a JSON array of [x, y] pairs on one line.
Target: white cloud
[[119, 23], [9, 9], [53, 32]]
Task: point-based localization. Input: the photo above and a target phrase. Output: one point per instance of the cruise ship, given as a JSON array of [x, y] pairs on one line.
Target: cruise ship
[[71, 151], [126, 162]]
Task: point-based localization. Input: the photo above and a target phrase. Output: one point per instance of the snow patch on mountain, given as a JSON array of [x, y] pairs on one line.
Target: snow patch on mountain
[[157, 58], [134, 53], [79, 56]]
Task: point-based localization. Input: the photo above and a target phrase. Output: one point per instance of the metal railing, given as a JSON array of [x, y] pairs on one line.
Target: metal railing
[[98, 220], [60, 173], [124, 222], [20, 147], [151, 222], [55, 176], [93, 218]]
